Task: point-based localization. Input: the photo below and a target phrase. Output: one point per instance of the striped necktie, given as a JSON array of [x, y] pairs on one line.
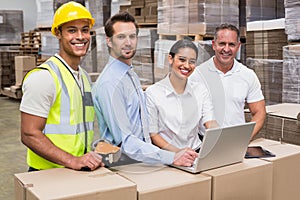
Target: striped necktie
[[142, 107]]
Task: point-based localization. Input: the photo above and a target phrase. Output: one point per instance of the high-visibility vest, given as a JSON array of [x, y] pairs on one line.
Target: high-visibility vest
[[71, 118]]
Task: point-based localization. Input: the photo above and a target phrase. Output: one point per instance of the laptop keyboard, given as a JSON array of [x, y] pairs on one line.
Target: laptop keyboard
[[194, 164]]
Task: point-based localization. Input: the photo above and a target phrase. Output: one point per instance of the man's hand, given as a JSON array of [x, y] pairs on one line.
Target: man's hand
[[89, 161], [185, 157]]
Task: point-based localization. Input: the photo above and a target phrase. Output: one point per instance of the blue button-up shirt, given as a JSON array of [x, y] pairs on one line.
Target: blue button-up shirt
[[117, 108]]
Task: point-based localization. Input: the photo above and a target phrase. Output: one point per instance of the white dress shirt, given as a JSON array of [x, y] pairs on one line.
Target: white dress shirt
[[177, 117]]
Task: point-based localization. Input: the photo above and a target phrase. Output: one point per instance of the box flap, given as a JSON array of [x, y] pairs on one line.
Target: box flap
[[69, 184], [288, 110]]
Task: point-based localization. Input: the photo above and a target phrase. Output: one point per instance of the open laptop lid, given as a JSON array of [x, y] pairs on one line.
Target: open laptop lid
[[222, 146]]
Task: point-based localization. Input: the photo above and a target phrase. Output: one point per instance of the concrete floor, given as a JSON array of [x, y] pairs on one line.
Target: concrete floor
[[13, 156]]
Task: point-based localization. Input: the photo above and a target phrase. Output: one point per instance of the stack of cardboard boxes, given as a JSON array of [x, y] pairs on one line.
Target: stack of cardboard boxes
[[201, 16], [292, 24], [291, 74], [143, 60], [7, 67], [281, 123], [45, 12], [257, 10], [100, 11], [265, 39], [11, 26], [144, 11], [269, 73]]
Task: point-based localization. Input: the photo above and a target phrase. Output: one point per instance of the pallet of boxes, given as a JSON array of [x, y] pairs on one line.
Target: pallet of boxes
[[11, 26], [17, 62], [7, 70], [23, 64]]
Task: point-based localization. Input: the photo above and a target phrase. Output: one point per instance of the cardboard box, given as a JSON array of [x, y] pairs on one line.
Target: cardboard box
[[22, 65], [62, 183], [251, 179], [286, 110], [281, 123], [25, 63], [197, 28], [162, 182], [286, 165], [20, 76]]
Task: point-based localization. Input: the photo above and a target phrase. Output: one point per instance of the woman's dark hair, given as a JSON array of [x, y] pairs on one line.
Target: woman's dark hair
[[184, 43], [120, 17]]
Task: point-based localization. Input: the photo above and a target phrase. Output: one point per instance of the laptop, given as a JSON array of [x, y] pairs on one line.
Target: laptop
[[221, 147]]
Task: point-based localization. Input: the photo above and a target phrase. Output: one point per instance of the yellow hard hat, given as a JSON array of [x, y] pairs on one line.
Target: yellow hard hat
[[68, 12]]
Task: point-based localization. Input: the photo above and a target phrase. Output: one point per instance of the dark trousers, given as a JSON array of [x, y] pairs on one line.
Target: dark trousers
[[31, 169]]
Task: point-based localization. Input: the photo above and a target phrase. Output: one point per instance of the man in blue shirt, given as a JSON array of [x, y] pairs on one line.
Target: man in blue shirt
[[119, 100]]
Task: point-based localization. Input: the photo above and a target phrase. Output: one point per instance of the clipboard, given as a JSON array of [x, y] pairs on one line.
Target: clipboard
[[258, 152]]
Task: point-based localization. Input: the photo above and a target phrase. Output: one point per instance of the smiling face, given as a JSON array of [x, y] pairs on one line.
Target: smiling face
[[74, 39], [183, 63], [226, 46], [123, 43]]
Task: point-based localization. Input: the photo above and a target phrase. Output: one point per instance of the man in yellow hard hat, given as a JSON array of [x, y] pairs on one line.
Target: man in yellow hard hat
[[57, 113]]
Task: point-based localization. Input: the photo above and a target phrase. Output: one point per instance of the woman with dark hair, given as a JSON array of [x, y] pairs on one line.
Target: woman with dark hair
[[176, 107]]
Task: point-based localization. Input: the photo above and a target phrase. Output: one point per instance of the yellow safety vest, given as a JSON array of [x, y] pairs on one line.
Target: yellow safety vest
[[71, 118]]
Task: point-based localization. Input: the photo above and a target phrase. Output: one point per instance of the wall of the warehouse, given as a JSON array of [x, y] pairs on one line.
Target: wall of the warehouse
[[29, 11]]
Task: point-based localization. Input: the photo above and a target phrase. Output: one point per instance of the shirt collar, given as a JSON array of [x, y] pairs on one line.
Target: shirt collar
[[76, 74], [70, 68], [166, 83], [236, 67], [118, 65]]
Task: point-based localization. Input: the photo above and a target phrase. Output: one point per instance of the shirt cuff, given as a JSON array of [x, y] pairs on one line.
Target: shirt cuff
[[167, 157], [208, 117]]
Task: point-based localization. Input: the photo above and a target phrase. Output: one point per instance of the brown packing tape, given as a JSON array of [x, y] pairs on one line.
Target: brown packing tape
[[102, 174], [28, 185]]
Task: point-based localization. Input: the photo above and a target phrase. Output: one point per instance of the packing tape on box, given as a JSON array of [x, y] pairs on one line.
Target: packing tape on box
[[102, 174]]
